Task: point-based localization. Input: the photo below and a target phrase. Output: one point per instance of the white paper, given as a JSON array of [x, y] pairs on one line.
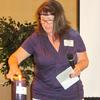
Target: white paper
[[65, 80]]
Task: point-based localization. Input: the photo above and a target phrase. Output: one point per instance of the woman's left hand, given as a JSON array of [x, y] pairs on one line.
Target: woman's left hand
[[76, 72]]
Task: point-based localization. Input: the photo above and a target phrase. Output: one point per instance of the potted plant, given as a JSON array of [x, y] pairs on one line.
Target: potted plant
[[12, 34]]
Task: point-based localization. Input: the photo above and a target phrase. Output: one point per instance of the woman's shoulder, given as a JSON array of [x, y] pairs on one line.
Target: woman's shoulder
[[32, 39], [34, 36], [72, 33]]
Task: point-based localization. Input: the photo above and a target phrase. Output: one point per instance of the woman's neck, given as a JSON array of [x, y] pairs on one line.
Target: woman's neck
[[53, 38]]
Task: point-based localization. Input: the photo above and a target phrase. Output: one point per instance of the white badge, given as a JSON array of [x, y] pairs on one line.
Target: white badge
[[69, 43]]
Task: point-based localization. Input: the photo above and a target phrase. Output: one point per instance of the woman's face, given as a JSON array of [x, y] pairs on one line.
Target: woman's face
[[47, 22]]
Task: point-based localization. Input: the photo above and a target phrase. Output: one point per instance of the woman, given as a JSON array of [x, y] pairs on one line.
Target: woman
[[50, 45]]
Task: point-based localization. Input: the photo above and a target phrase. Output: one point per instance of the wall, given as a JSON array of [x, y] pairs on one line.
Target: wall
[[90, 31], [24, 10]]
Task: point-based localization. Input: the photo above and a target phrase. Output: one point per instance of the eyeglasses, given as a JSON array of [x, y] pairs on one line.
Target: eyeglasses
[[49, 21], [46, 19]]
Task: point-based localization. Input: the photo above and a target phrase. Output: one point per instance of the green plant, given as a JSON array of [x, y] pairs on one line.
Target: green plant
[[12, 34]]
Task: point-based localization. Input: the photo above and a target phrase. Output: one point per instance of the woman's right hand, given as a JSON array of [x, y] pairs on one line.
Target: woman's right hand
[[14, 60], [13, 72]]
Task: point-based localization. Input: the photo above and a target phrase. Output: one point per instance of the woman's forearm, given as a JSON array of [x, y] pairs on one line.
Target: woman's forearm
[[13, 67], [81, 64]]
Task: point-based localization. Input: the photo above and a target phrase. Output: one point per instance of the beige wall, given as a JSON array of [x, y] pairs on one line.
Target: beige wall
[[24, 10]]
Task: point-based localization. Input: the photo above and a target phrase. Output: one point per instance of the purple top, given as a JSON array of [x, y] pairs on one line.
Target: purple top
[[49, 63]]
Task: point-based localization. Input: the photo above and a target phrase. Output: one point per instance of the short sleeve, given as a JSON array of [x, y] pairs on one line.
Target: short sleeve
[[28, 44], [80, 46]]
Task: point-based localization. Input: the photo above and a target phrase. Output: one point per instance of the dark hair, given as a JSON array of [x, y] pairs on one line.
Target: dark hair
[[54, 8]]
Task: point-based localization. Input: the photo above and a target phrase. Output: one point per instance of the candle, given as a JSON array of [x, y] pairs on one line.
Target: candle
[[19, 88]]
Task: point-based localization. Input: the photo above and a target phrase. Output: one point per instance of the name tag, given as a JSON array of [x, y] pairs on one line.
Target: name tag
[[69, 43]]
